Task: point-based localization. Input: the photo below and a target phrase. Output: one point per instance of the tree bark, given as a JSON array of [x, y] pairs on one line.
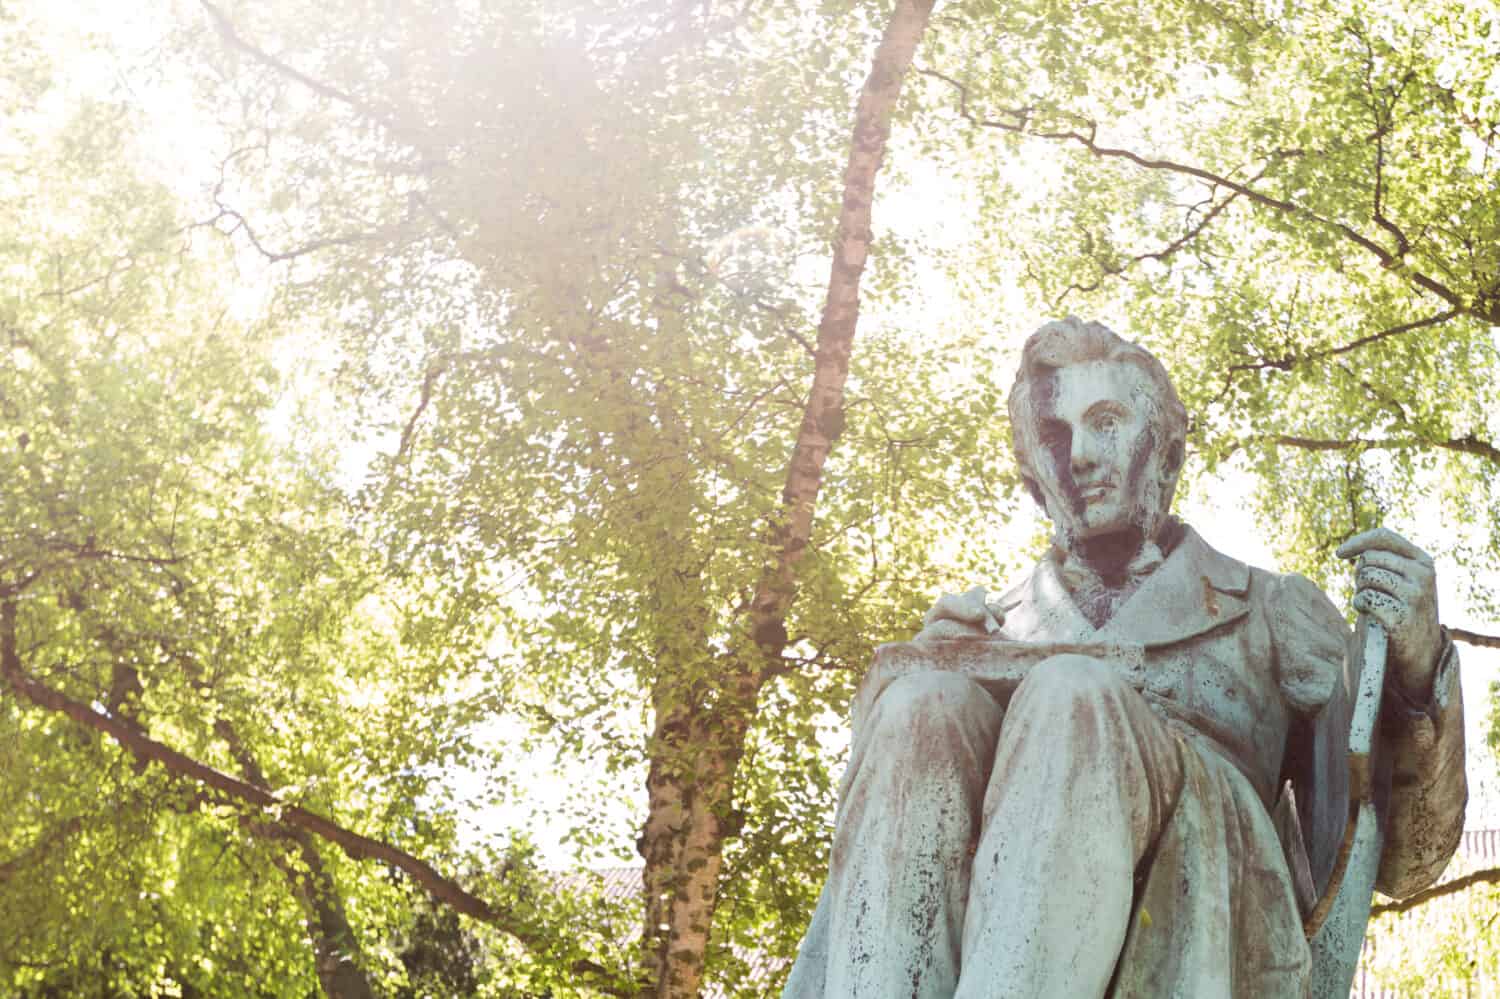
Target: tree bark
[[336, 954], [689, 790], [699, 744]]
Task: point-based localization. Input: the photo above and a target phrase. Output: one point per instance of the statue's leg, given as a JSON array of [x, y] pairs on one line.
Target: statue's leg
[[907, 820], [1084, 779]]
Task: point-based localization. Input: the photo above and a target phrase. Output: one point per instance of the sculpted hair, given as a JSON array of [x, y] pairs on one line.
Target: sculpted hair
[[1068, 341]]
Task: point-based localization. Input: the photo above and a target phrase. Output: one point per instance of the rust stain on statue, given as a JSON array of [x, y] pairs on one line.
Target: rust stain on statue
[[1210, 598], [1085, 728]]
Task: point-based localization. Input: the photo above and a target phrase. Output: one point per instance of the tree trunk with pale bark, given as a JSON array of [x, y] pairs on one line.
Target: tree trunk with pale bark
[[699, 745]]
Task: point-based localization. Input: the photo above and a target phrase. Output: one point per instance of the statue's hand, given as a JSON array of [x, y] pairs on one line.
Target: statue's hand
[[960, 615], [1396, 585]]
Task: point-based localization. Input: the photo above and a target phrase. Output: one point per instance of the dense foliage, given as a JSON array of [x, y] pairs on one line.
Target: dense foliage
[[442, 403]]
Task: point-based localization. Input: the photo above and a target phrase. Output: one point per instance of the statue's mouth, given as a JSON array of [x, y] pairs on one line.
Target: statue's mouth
[[1095, 492]]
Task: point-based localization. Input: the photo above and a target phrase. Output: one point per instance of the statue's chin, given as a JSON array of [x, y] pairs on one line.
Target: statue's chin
[[1107, 534], [1107, 550], [1111, 548]]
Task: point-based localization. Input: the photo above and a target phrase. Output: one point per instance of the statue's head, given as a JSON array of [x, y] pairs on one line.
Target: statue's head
[[1098, 432]]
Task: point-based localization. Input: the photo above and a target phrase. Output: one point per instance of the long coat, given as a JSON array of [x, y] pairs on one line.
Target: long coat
[[1252, 670], [1221, 641]]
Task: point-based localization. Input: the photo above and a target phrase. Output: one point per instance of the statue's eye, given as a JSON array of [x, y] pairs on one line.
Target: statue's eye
[[1054, 434]]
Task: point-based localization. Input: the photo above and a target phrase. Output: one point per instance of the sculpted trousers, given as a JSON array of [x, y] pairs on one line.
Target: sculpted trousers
[[984, 860]]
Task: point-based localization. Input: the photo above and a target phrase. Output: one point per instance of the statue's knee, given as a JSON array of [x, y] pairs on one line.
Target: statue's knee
[[920, 701], [1071, 677]]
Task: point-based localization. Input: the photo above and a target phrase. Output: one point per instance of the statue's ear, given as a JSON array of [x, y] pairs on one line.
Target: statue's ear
[[1035, 490]]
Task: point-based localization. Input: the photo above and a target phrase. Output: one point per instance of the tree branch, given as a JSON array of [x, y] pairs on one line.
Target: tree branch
[[1470, 444], [231, 35], [1289, 361], [690, 784], [50, 839], [1467, 444], [241, 224], [1114, 270], [41, 847], [1381, 113], [1332, 444], [424, 399], [1474, 638], [1488, 876], [823, 417], [1021, 121], [353, 844]]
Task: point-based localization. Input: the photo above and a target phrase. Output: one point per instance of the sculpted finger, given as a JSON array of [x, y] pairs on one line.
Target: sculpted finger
[[949, 605], [963, 607], [966, 607], [1369, 577], [977, 594], [1381, 539], [993, 618], [1399, 564], [1382, 607], [948, 628]]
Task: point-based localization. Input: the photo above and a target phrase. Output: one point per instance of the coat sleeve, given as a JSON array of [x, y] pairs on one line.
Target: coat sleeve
[[1422, 745], [1311, 642], [1428, 789]]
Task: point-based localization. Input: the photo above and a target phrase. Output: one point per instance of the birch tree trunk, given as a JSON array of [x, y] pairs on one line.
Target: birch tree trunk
[[699, 743]]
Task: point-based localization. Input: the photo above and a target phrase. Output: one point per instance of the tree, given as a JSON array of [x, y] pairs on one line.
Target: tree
[[680, 624], [626, 488], [1306, 227], [634, 375], [179, 587]]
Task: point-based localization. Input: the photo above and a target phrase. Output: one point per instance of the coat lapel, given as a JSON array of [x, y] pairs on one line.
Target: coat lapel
[[1194, 591], [1041, 610]]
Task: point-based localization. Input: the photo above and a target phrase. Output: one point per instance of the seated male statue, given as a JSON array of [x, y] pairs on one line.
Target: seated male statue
[[1100, 830]]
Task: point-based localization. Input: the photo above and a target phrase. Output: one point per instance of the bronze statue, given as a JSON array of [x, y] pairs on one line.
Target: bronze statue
[[1130, 773]]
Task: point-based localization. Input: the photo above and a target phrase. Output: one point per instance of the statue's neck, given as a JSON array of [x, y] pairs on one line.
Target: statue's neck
[[1108, 555], [1101, 578]]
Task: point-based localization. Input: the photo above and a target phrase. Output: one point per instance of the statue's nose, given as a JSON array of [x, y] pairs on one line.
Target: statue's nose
[[1085, 455]]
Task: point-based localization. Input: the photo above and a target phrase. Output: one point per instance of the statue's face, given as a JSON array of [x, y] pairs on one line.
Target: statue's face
[[1097, 466]]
